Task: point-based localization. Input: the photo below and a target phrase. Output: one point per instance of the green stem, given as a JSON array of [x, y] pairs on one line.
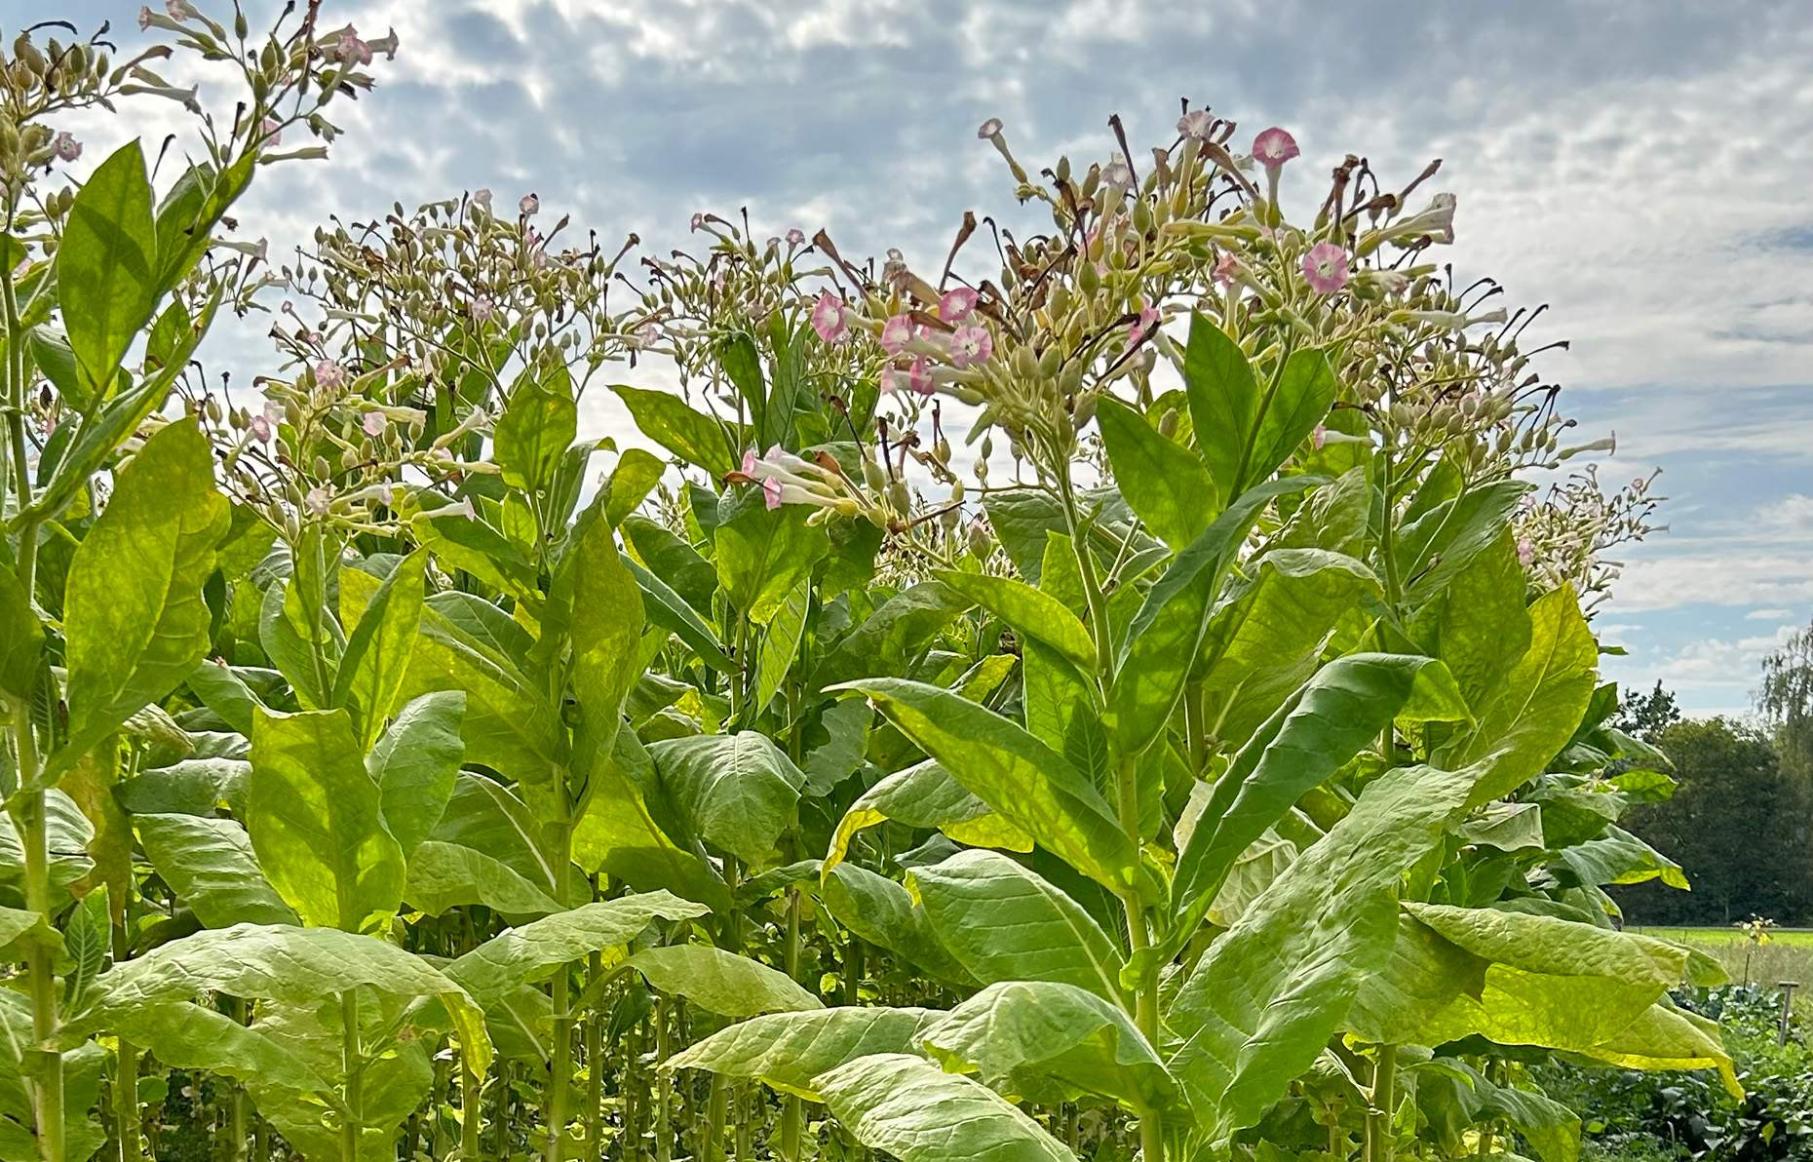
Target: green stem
[[472, 1113], [560, 1089], [353, 1061], [125, 1104], [1387, 546], [664, 1099], [241, 1107], [1380, 1142], [28, 819], [792, 1115], [594, 1069]]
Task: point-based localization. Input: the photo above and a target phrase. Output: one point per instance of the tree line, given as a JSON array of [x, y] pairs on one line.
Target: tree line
[[1740, 819]]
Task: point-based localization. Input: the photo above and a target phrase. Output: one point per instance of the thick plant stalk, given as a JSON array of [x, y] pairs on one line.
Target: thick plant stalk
[[472, 1111], [28, 818], [792, 1113], [664, 1130], [354, 1065], [1379, 1135], [594, 1067]]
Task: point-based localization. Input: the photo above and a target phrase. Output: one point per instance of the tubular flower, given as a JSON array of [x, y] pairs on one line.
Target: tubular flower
[[1143, 327], [830, 318], [329, 375], [896, 333], [971, 345], [1325, 266], [1435, 223], [65, 145], [1273, 148], [789, 479], [1196, 123], [955, 305]]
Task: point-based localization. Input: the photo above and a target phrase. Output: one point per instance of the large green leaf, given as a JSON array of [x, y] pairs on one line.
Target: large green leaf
[[1014, 773], [720, 982], [1163, 482], [916, 1112], [924, 795], [1516, 978], [1263, 1002], [209, 864], [1325, 724], [665, 608], [444, 876], [535, 951], [762, 553], [540, 420], [1003, 922], [1478, 625], [315, 817], [664, 418], [788, 1050], [618, 833], [133, 612], [295, 966], [1224, 400], [1031, 612], [1050, 1042], [414, 764], [739, 792], [1295, 402], [1439, 544], [1166, 635], [107, 277], [21, 637], [509, 725], [1535, 708], [606, 629], [892, 637], [191, 1036], [882, 912], [1266, 638], [376, 659]]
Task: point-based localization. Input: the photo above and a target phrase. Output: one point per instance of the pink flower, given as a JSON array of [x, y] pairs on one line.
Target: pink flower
[[350, 49], [896, 333], [955, 304], [1227, 268], [270, 130], [1118, 173], [1318, 437], [374, 422], [482, 309], [144, 18], [771, 492], [971, 345], [919, 376], [318, 498], [66, 147], [261, 429], [1196, 124], [528, 205], [1526, 552], [1325, 266], [749, 462], [1273, 148], [482, 199], [829, 318], [329, 375], [796, 237], [698, 221], [179, 9], [1143, 327], [990, 129]]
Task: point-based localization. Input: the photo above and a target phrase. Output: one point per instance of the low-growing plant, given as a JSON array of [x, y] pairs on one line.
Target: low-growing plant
[[384, 779]]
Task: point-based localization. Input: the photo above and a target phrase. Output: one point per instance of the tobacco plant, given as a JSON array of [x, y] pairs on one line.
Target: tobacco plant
[[393, 773]]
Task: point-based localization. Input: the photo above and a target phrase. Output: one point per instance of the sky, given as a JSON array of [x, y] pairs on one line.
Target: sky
[[1639, 165]]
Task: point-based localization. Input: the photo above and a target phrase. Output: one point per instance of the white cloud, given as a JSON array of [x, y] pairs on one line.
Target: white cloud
[[1768, 615]]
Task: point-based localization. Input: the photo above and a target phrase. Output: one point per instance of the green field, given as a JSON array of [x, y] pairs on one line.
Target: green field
[[1787, 955]]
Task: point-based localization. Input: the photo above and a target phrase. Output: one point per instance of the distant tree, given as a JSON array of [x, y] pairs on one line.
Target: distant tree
[[1647, 715], [1736, 824], [1786, 700]]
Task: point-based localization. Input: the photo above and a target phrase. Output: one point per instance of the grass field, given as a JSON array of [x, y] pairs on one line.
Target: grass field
[[1788, 954]]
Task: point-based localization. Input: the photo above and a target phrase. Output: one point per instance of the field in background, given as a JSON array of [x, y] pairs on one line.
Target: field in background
[[1788, 955]]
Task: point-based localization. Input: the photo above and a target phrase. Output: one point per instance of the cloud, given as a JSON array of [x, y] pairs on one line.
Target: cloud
[[1768, 615]]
